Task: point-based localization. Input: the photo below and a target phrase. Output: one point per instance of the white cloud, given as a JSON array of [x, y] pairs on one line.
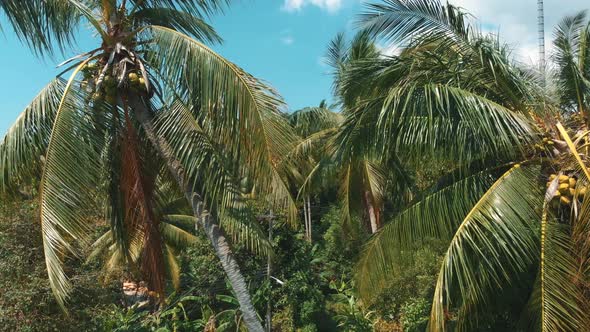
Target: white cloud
[[287, 40], [330, 6], [516, 21]]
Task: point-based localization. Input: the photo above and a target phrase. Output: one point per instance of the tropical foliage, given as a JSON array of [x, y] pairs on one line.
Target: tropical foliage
[[444, 188]]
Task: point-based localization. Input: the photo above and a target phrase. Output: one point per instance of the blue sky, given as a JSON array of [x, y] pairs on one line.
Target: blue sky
[[283, 42], [280, 41]]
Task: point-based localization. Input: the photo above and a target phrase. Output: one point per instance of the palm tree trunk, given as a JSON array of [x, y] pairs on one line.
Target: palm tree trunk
[[309, 219], [207, 221], [372, 213], [307, 232]]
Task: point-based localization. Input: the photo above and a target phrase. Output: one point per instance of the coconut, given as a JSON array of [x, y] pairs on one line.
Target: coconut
[[133, 77], [563, 188], [563, 178], [552, 177], [572, 182], [572, 192], [565, 200]]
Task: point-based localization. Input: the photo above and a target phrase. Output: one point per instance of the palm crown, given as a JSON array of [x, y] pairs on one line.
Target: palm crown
[[152, 97], [456, 91]]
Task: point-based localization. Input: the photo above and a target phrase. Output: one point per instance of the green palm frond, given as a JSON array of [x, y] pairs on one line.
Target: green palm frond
[[172, 266], [311, 120], [200, 8], [26, 140], [556, 303], [416, 120], [232, 106], [398, 21], [184, 222], [200, 155], [177, 20], [494, 237], [572, 57], [437, 215], [71, 171], [176, 236], [43, 25], [243, 228], [100, 246]]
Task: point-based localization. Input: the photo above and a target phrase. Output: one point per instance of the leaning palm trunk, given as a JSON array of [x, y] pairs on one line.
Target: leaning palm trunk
[[205, 219]]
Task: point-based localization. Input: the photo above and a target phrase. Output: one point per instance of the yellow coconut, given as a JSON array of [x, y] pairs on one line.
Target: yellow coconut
[[572, 182], [565, 200], [563, 178], [563, 188]]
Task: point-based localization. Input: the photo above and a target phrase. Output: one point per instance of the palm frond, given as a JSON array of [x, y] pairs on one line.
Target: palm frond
[[25, 142], [71, 171], [199, 8], [43, 25], [177, 20], [494, 237], [556, 301], [234, 108], [175, 236], [400, 20], [172, 266], [437, 215], [572, 38], [243, 228]]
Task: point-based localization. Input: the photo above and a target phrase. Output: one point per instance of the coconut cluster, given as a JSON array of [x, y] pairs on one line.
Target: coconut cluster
[[136, 82], [544, 145], [107, 90], [567, 189]]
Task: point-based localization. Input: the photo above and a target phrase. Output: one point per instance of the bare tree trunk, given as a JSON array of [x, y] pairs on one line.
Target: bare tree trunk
[[309, 219], [307, 230], [207, 221], [373, 217], [268, 274]]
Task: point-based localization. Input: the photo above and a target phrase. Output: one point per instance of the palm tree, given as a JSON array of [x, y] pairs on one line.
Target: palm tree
[[152, 96], [349, 157], [454, 94], [313, 125]]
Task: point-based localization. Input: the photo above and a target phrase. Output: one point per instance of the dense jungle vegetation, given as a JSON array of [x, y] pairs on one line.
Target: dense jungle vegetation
[[156, 186]]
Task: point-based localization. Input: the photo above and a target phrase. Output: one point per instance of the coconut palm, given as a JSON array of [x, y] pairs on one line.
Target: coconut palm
[[152, 96], [573, 62], [454, 94], [314, 125], [351, 161]]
